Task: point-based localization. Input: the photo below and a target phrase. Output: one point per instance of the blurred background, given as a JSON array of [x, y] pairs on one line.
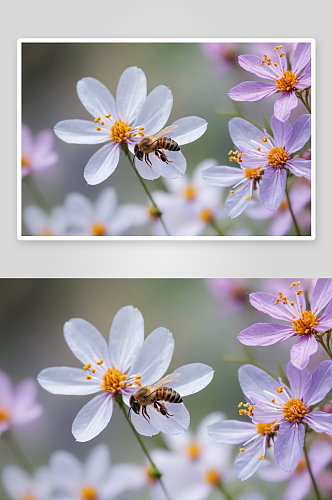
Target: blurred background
[[199, 75], [205, 317]]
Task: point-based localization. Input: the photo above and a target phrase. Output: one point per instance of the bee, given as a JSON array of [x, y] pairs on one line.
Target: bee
[[153, 394], [154, 144]]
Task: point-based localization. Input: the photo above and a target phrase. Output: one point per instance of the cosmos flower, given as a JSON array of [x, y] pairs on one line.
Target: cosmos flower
[[232, 293], [286, 82], [20, 486], [39, 223], [37, 153], [289, 409], [222, 54], [305, 324], [128, 363], [126, 120], [17, 406], [263, 161]]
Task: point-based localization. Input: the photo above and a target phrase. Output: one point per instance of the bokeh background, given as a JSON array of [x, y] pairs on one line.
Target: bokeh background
[[198, 76], [205, 317]]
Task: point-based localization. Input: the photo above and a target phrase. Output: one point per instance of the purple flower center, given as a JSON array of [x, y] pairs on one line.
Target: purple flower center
[[294, 409]]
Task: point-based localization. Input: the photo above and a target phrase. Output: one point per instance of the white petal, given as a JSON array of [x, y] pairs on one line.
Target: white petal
[[232, 431], [67, 470], [131, 93], [142, 426], [175, 168], [155, 111], [79, 210], [106, 204], [189, 129], [96, 98], [66, 380], [145, 170], [202, 431], [15, 481], [222, 175], [177, 423], [237, 202], [79, 132], [85, 341], [97, 464], [93, 418], [193, 378], [126, 337], [248, 462], [36, 220], [102, 164]]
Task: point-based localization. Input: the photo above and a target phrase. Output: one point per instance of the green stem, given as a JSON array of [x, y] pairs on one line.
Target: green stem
[[216, 228], [291, 211], [17, 451], [157, 472], [303, 102], [127, 153], [36, 193], [223, 491], [325, 347], [318, 495]]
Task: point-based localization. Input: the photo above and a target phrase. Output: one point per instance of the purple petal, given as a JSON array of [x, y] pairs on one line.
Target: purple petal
[[319, 421], [265, 302], [299, 486], [27, 140], [299, 380], [265, 334], [320, 455], [243, 132], [284, 105], [300, 167], [300, 135], [238, 201], [251, 91], [321, 383], [247, 463], [301, 57], [251, 159], [222, 176], [253, 65], [281, 130], [272, 188], [305, 346], [321, 295], [7, 390], [304, 80], [325, 322], [254, 381], [265, 413], [289, 445], [232, 431]]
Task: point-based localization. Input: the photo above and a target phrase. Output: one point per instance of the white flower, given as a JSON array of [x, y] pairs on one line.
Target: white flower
[[119, 369], [20, 486], [39, 223], [125, 120]]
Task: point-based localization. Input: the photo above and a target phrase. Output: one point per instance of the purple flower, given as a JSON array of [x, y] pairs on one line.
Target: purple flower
[[305, 324], [37, 153], [289, 408], [284, 81], [231, 291], [17, 406], [222, 54]]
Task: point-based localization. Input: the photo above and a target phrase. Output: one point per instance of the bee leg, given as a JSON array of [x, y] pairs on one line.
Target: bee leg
[[147, 159], [162, 409], [161, 156], [145, 414]]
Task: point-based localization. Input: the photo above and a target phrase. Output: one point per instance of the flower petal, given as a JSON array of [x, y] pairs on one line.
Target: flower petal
[[66, 380], [131, 93], [251, 91], [264, 413], [16, 481], [301, 57], [189, 129], [35, 220], [265, 302], [232, 431], [222, 176], [299, 380], [321, 295], [193, 378], [301, 132], [272, 188], [304, 81], [79, 132], [253, 64], [96, 98], [243, 132], [145, 170], [27, 140], [142, 426], [97, 464], [321, 383], [300, 167], [154, 357], [284, 105], [281, 130], [79, 209], [237, 202], [265, 334], [175, 168], [102, 164], [85, 341], [325, 321], [289, 445], [93, 418], [67, 470], [305, 346], [254, 381], [106, 204], [155, 110], [319, 421], [177, 423], [247, 463]]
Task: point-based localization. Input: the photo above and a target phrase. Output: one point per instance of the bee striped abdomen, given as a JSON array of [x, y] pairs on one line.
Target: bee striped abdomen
[[168, 394], [168, 144]]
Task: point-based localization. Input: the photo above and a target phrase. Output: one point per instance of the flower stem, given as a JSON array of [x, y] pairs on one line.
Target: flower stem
[[325, 347], [158, 474], [17, 451], [306, 104], [216, 228], [317, 492], [291, 210], [127, 153], [36, 193], [223, 491]]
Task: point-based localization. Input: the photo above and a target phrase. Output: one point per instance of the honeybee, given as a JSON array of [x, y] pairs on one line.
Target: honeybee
[[154, 144], [153, 394]]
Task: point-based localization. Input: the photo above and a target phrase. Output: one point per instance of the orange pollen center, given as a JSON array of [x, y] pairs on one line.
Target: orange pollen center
[[190, 192], [98, 229], [89, 493], [305, 325], [46, 233], [253, 173], [114, 381], [266, 428], [194, 451], [212, 477], [29, 497], [120, 131], [302, 465], [277, 157], [206, 215], [294, 409], [4, 415], [287, 82], [25, 161], [283, 206]]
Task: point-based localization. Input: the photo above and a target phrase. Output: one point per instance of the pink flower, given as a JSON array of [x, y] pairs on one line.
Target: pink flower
[[37, 152], [222, 54], [231, 291]]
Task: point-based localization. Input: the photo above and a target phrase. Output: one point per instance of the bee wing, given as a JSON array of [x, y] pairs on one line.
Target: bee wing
[[163, 381], [162, 133]]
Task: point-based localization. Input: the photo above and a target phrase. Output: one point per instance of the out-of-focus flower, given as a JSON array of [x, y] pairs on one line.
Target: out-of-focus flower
[[17, 406], [289, 408], [299, 481], [231, 291], [39, 223], [222, 54], [102, 218], [288, 83], [282, 220], [20, 486], [126, 120], [305, 324], [37, 153], [128, 363]]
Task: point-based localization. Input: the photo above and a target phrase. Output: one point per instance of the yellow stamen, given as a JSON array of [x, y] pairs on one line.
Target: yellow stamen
[[4, 415], [88, 493], [277, 157], [253, 173], [88, 377], [190, 192], [109, 114], [266, 428], [98, 128], [206, 215], [98, 229], [100, 362], [305, 325], [194, 451], [248, 198], [113, 381], [287, 82], [264, 139], [96, 120], [232, 192], [294, 409], [230, 152], [120, 131], [86, 367], [242, 450], [302, 465], [212, 477], [239, 405], [260, 457], [281, 389], [25, 161]]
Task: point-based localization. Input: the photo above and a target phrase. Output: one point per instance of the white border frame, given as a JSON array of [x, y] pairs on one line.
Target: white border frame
[[20, 41]]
